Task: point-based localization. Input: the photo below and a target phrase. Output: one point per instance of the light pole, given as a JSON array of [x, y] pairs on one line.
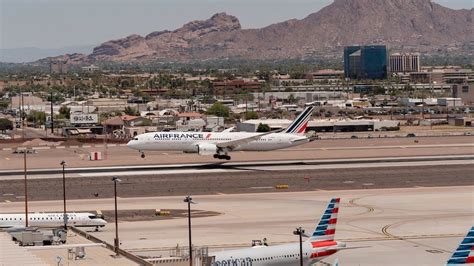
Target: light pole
[[26, 188], [116, 241], [300, 232], [63, 164], [189, 200]]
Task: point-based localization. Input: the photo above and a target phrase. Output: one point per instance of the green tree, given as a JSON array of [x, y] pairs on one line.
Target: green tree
[[218, 109], [291, 99], [131, 111], [263, 128], [65, 112], [251, 115], [4, 105], [36, 117], [5, 124]]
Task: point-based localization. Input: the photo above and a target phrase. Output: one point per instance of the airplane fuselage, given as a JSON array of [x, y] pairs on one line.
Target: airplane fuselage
[[50, 220], [188, 141], [279, 255]]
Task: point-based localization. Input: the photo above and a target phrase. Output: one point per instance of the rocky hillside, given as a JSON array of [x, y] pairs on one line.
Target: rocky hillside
[[344, 22]]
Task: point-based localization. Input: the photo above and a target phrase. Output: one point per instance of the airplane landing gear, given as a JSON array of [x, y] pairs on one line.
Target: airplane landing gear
[[142, 155], [222, 156]]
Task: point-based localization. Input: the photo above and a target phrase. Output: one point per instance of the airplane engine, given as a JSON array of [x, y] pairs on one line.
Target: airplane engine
[[206, 149]]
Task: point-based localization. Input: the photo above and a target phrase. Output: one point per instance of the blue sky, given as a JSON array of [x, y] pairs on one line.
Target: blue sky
[[62, 23]]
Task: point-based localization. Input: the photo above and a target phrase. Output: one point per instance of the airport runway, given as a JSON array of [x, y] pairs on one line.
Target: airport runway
[[241, 179], [408, 226], [117, 155]]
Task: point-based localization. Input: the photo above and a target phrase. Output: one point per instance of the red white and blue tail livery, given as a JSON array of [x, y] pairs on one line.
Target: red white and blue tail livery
[[464, 254], [301, 122], [319, 245]]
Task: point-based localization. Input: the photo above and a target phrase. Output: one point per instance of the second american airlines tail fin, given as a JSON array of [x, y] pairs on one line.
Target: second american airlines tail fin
[[464, 254], [301, 122], [326, 227]]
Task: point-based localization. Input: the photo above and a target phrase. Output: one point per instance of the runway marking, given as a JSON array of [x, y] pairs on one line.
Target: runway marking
[[349, 182], [368, 184], [6, 158], [42, 148], [86, 146], [7, 149], [260, 187], [60, 147], [74, 147], [219, 193], [386, 147], [7, 201], [111, 145]]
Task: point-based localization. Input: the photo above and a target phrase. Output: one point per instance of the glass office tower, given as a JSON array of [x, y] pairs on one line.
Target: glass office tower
[[365, 62]]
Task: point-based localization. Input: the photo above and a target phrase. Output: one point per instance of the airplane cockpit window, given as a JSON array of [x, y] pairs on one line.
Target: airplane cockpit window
[[92, 217], [135, 138]]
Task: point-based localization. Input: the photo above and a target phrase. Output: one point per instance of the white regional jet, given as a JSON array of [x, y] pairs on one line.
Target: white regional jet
[[84, 219], [219, 144], [319, 246]]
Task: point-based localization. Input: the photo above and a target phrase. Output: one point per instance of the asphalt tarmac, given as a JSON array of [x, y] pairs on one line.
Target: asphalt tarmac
[[252, 181]]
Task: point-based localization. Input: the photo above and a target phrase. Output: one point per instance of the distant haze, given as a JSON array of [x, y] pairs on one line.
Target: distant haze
[[29, 54]]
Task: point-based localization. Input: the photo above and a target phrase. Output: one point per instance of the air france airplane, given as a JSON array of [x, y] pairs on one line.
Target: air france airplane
[[12, 220], [464, 254], [219, 144], [319, 246]]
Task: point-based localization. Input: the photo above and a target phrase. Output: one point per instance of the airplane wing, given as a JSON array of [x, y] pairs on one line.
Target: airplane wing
[[235, 143]]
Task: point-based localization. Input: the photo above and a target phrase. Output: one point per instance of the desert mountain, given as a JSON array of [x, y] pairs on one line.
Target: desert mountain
[[344, 22]]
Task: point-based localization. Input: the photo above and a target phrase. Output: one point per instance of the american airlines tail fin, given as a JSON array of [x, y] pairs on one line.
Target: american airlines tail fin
[[326, 227], [301, 122], [464, 254]]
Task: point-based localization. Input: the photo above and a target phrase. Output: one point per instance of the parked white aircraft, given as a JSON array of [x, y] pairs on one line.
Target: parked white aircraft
[[320, 245], [219, 144], [17, 220]]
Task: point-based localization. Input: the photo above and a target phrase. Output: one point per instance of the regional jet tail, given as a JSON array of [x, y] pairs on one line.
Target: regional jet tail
[[464, 254], [219, 144], [320, 245]]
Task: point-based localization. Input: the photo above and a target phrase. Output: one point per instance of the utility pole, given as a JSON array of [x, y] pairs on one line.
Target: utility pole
[[52, 115], [63, 164], [189, 200], [26, 188], [116, 241], [22, 117], [300, 231]]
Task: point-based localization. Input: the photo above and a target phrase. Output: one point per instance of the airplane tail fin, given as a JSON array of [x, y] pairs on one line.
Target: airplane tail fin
[[326, 227], [464, 254], [299, 125]]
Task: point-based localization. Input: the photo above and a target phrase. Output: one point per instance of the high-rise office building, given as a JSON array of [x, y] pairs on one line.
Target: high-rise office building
[[404, 63], [365, 62]]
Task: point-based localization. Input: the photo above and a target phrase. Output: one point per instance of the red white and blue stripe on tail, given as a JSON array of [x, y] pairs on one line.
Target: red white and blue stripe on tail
[[464, 254], [301, 122], [326, 227]]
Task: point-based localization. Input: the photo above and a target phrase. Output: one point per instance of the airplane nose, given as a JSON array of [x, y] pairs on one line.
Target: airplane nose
[[130, 144]]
